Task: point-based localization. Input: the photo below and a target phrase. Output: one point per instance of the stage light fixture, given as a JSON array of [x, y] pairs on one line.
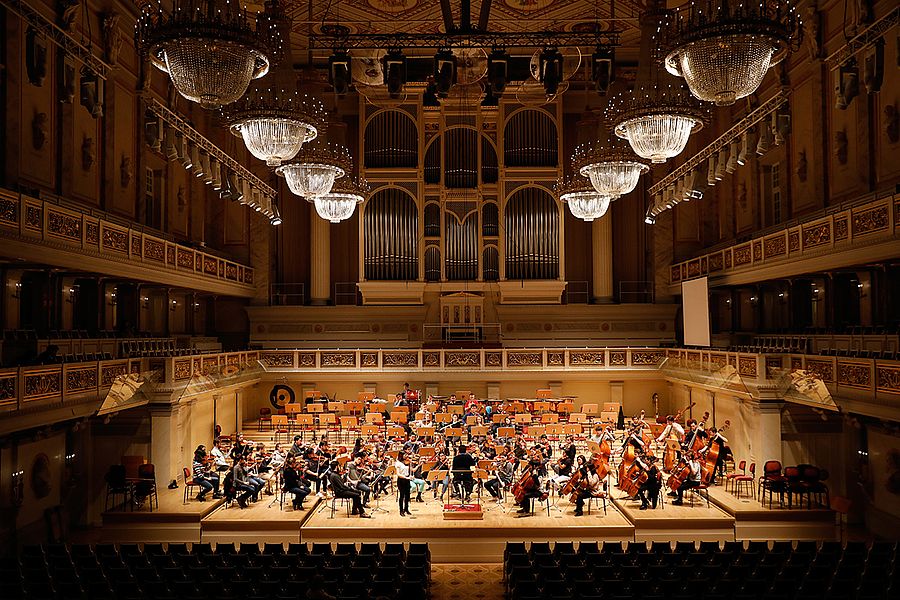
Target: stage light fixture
[[394, 71], [551, 75], [498, 67], [603, 69], [444, 71], [339, 72], [711, 171]]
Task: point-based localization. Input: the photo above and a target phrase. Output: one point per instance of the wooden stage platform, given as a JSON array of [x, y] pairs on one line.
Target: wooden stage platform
[[727, 518]]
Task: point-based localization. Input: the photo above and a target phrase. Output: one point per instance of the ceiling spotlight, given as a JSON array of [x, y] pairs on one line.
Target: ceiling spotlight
[[169, 139], [603, 69], [444, 71], [765, 139], [394, 71], [183, 149], [339, 72], [498, 65], [711, 172], [275, 219], [732, 163], [720, 164], [745, 148], [650, 219], [551, 63]]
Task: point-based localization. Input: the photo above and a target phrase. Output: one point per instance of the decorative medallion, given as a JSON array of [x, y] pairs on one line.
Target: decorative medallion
[[136, 245], [431, 359], [794, 241], [7, 390], [181, 370], [493, 359], [841, 229], [34, 217], [368, 359], [92, 233], [279, 359], [9, 211], [114, 239], [757, 251], [747, 366], [728, 254], [618, 358], [170, 255], [556, 359], [306, 360]]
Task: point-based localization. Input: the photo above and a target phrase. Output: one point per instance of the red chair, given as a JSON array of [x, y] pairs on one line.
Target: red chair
[[189, 484], [265, 416], [740, 481], [742, 467], [772, 481]]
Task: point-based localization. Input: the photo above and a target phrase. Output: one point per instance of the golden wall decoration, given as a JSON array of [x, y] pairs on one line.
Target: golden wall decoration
[[715, 262], [154, 250], [643, 358], [757, 251], [556, 359], [209, 265], [582, 358], [462, 359], [821, 368], [9, 211], [185, 259], [81, 379], [339, 359], [306, 359], [209, 365], [887, 379], [7, 389], [524, 359], [181, 370], [368, 359], [170, 255], [775, 246], [854, 374], [717, 360], [676, 274], [431, 359], [870, 221], [42, 384], [841, 229], [816, 235], [108, 373], [742, 255], [747, 366], [493, 359], [136, 246], [399, 359], [34, 217], [63, 225]]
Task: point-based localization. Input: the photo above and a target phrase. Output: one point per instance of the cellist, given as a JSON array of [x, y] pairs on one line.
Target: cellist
[[716, 437], [692, 481], [530, 483], [591, 485]]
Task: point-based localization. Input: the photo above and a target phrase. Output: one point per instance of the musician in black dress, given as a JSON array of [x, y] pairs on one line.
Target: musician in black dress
[[649, 490]]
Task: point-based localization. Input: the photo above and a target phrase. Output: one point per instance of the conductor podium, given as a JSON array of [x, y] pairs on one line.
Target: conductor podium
[[463, 512]]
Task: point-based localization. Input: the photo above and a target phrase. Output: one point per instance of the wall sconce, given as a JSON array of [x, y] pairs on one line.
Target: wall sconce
[[196, 307], [18, 488], [815, 294], [112, 298], [173, 305], [145, 302], [754, 299], [70, 294], [17, 290], [861, 288]]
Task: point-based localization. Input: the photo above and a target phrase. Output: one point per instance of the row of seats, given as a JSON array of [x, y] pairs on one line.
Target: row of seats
[[248, 571], [804, 571]]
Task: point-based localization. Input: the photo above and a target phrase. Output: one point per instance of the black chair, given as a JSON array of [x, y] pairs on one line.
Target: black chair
[[117, 485]]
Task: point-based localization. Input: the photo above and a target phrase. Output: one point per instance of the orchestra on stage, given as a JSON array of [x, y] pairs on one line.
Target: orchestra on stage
[[452, 449]]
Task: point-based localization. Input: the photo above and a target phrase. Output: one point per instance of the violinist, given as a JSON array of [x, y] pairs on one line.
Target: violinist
[[356, 477], [649, 490], [244, 483], [569, 448], [417, 477], [240, 449], [274, 462], [254, 465], [219, 456], [441, 464], [342, 490], [591, 486], [692, 481], [404, 481], [563, 470], [503, 475], [203, 475], [530, 484], [545, 447], [296, 448], [315, 470], [293, 482]]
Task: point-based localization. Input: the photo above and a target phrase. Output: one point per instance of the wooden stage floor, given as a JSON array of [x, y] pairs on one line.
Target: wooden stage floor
[[727, 518]]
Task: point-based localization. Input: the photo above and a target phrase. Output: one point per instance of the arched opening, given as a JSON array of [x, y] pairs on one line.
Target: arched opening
[[391, 141], [531, 221], [390, 234]]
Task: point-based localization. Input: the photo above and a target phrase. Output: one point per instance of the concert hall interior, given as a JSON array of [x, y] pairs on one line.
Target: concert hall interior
[[449, 299]]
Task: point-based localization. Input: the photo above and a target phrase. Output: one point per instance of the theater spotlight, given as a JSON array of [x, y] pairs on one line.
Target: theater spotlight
[[444, 72], [602, 69], [394, 71], [551, 70], [498, 65], [339, 72]]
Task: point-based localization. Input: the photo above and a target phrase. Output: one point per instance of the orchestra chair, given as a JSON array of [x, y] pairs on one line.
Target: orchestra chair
[[280, 426], [345, 500], [702, 491], [400, 416], [117, 485], [349, 425], [600, 496], [771, 481], [436, 477], [131, 464], [265, 416], [189, 484], [738, 481], [147, 475], [354, 409], [304, 422], [329, 422], [292, 409]]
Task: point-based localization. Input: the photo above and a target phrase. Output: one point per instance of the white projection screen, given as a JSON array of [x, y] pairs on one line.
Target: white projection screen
[[695, 310]]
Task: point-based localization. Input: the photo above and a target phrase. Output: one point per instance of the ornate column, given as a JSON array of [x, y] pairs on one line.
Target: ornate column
[[601, 236], [320, 259]]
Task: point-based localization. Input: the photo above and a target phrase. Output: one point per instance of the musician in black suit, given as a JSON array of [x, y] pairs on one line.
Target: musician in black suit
[[343, 490], [649, 490], [462, 472]]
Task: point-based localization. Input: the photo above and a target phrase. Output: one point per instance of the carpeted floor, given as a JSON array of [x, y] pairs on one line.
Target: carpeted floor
[[467, 581]]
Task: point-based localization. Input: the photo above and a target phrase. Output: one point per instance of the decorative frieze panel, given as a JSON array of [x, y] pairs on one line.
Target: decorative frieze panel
[[581, 358], [7, 388], [493, 359], [338, 359], [109, 372], [181, 370], [854, 374], [524, 359], [823, 369], [870, 218], [887, 378], [395, 360], [431, 359], [81, 379], [556, 359], [462, 359], [42, 384], [281, 359], [643, 358], [368, 360], [64, 226], [306, 359]]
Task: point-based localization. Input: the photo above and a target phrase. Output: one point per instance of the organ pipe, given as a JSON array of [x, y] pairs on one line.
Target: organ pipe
[[532, 235], [530, 140], [391, 141], [391, 235]]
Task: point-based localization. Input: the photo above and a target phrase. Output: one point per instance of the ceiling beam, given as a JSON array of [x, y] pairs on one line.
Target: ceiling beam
[[484, 15], [448, 16]]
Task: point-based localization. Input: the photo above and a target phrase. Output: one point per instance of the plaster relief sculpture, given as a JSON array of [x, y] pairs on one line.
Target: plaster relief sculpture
[[66, 80], [35, 57], [125, 171], [841, 146], [88, 153], [39, 130], [112, 38], [812, 23], [802, 167], [68, 12]]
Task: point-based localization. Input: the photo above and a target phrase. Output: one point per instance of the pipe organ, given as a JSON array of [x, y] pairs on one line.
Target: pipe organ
[[391, 141], [531, 233], [461, 246], [390, 236], [461, 158], [530, 140]]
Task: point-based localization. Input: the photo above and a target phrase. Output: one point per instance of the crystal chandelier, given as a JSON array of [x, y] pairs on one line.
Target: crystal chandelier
[[313, 171], [723, 48], [338, 205], [274, 119], [613, 170], [659, 115], [207, 47], [584, 202]]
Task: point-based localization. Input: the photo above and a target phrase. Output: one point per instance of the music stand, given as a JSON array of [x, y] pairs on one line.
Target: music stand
[[436, 477], [389, 471]]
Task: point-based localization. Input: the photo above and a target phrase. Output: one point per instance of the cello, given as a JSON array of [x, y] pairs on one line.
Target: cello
[[634, 478], [679, 474]]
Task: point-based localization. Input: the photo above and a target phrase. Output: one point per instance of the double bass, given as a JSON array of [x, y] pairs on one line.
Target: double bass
[[708, 467], [634, 478]]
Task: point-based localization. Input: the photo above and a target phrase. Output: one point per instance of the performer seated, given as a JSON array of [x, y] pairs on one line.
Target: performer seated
[[342, 490], [203, 475], [292, 477], [692, 481], [244, 483], [356, 477], [649, 490], [563, 469], [532, 487], [672, 428], [461, 467], [503, 475], [592, 488], [219, 456]]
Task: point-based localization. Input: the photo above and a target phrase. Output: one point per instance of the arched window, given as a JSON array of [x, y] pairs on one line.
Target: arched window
[[391, 141], [530, 140], [531, 221], [461, 158], [390, 236]]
